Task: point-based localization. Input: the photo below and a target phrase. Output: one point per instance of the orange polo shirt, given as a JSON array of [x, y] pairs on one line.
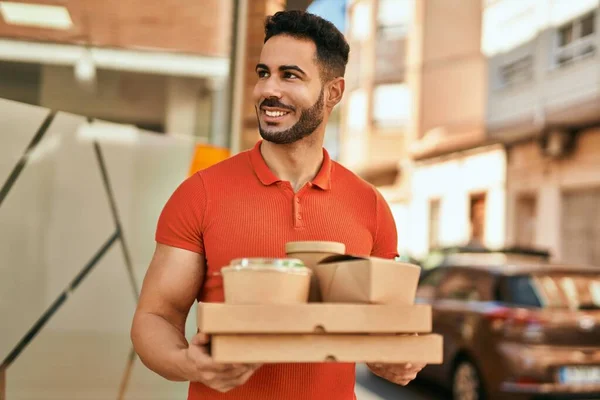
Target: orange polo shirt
[[239, 208]]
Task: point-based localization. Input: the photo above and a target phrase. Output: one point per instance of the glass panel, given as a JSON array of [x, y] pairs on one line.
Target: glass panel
[[361, 21], [569, 290], [588, 25], [565, 35], [391, 105], [394, 17]]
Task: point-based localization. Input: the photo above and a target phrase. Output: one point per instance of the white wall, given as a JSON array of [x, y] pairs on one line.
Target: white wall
[[452, 181]]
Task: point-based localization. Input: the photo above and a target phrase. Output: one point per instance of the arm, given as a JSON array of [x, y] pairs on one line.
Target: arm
[[168, 292], [158, 330], [386, 246], [385, 242]]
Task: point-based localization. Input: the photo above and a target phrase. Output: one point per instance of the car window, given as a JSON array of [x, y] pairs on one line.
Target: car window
[[519, 291], [467, 285], [571, 290], [429, 283]]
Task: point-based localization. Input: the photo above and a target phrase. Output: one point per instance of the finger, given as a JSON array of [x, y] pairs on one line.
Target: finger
[[244, 378], [225, 382], [218, 368], [200, 339]]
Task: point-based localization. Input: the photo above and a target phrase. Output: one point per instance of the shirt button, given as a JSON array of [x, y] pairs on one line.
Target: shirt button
[[297, 200], [299, 217]]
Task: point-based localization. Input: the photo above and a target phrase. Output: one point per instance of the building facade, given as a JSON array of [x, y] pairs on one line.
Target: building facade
[[414, 120], [544, 105], [161, 66]]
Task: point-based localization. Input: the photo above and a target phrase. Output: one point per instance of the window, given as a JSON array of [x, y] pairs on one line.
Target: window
[[459, 285], [587, 25], [576, 39], [518, 71], [573, 290], [430, 280], [477, 217], [520, 291], [565, 35], [434, 223], [357, 110], [360, 27], [391, 105], [525, 220], [393, 18]]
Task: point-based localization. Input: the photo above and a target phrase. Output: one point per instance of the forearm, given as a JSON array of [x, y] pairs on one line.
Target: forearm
[[160, 346]]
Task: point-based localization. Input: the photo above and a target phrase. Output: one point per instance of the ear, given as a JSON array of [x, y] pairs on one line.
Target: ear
[[335, 92]]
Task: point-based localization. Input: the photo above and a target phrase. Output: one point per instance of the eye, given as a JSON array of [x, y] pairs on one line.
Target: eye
[[289, 75], [262, 73]]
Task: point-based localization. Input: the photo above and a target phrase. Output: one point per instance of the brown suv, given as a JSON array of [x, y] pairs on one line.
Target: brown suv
[[515, 330]]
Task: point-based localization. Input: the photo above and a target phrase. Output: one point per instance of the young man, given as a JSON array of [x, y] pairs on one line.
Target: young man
[[285, 189]]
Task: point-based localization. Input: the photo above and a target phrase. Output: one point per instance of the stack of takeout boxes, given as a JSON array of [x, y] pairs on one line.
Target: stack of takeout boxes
[[320, 305]]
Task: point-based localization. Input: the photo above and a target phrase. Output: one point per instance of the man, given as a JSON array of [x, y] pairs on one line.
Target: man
[[285, 189]]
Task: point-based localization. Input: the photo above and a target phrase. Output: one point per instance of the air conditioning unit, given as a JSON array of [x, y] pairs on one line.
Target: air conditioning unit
[[557, 142]]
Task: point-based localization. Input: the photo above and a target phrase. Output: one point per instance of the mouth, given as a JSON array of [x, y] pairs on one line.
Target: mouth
[[273, 115]]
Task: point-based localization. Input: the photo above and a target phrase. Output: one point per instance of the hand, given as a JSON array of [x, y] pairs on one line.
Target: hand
[[400, 374], [200, 367]]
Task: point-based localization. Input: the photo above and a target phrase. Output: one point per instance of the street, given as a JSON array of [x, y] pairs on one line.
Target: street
[[371, 387]]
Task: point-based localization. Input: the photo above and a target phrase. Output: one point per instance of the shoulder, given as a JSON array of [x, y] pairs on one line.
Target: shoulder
[[226, 171], [349, 181]]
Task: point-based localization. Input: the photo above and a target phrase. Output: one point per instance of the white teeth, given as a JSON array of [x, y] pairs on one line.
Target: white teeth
[[275, 113]]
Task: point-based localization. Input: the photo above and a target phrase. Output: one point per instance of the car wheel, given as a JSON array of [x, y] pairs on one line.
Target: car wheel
[[466, 382]]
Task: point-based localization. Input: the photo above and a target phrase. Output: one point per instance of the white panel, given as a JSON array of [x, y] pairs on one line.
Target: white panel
[[573, 84], [83, 351], [20, 122], [53, 221], [143, 173]]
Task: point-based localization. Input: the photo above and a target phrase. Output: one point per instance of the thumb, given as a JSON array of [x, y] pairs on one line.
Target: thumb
[[200, 339]]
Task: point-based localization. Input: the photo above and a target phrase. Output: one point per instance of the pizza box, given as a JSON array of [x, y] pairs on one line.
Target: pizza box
[[218, 318]]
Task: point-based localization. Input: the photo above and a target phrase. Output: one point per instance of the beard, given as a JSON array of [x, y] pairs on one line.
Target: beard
[[309, 121]]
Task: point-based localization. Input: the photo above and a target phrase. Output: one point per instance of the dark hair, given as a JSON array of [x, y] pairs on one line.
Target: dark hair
[[332, 48]]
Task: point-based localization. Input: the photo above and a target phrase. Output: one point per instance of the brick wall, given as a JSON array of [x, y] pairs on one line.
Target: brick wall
[[198, 27]]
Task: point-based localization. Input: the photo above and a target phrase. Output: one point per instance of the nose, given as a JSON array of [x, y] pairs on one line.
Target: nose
[[270, 88]]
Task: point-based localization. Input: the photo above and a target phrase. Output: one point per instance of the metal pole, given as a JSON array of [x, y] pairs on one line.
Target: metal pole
[[237, 73]]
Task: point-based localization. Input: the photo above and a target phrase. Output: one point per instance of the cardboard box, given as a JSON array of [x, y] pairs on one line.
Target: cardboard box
[[327, 348], [311, 253], [313, 318], [350, 279]]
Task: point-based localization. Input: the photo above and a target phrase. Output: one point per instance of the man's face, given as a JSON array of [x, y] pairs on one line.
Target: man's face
[[289, 96]]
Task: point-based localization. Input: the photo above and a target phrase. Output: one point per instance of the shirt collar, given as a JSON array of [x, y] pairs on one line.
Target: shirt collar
[[267, 177]]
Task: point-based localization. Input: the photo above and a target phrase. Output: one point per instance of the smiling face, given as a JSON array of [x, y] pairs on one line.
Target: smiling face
[[289, 96]]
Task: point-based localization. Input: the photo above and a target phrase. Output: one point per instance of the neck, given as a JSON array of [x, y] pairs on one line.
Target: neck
[[297, 163]]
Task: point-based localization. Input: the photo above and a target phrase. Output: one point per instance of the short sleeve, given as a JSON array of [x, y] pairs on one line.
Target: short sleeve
[[180, 222], [386, 235]]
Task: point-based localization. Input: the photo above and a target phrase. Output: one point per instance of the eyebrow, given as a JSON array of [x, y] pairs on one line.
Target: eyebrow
[[281, 68]]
